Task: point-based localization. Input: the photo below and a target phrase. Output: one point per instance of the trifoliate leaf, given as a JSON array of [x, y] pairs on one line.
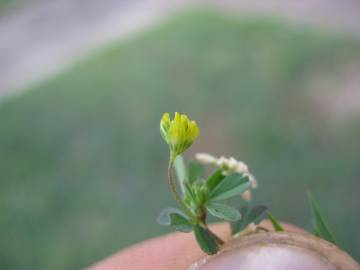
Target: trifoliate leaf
[[223, 211], [175, 218], [230, 186], [206, 241], [214, 179], [276, 224], [320, 228], [196, 171]]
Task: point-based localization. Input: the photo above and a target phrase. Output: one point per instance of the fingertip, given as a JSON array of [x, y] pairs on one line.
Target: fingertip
[[169, 252]]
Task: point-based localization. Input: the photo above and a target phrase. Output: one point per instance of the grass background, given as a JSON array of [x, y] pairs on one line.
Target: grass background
[[83, 167]]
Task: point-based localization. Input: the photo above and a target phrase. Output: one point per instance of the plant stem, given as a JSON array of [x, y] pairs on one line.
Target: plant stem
[[177, 196], [203, 222], [184, 207], [217, 238]]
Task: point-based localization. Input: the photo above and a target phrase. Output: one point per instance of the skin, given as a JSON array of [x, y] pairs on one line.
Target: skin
[[174, 251]]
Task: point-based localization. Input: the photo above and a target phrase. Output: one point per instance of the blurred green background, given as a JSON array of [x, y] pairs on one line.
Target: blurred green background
[[83, 167], [6, 5]]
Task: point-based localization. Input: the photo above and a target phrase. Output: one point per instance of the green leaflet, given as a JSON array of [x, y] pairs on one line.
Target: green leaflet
[[223, 211], [196, 171], [320, 228], [180, 223], [175, 218], [214, 179], [276, 224], [205, 240], [230, 186], [253, 215]]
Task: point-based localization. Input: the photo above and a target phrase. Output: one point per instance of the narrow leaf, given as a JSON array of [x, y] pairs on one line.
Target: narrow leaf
[[214, 179], [230, 186], [320, 227], [196, 171], [205, 240], [223, 211], [257, 214], [241, 224], [174, 217], [180, 171], [253, 215], [277, 226]]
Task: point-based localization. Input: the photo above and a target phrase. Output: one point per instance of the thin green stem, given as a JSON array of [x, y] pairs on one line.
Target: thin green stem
[[177, 196]]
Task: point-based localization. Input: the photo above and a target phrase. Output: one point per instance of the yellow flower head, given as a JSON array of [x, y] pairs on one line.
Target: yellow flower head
[[179, 133]]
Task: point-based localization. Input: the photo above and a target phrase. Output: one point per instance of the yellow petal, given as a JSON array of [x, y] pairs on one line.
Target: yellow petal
[[165, 120], [184, 121], [177, 118], [193, 130]]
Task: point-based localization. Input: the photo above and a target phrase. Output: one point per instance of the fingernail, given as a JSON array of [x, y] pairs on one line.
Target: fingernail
[[278, 251], [265, 258]]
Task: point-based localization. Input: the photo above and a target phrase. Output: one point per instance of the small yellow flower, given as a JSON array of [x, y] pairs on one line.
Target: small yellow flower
[[179, 133]]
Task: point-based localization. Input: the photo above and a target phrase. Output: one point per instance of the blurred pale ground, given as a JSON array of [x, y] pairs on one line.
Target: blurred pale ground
[[82, 164]]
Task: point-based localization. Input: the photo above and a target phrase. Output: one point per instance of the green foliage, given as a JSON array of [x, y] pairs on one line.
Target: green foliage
[[230, 186], [180, 223], [198, 199], [196, 171], [214, 179], [196, 194], [249, 215], [223, 211], [164, 216], [276, 224], [206, 241], [319, 226], [175, 218]]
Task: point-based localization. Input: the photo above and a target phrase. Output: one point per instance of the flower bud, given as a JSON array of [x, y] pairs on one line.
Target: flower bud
[[179, 133]]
